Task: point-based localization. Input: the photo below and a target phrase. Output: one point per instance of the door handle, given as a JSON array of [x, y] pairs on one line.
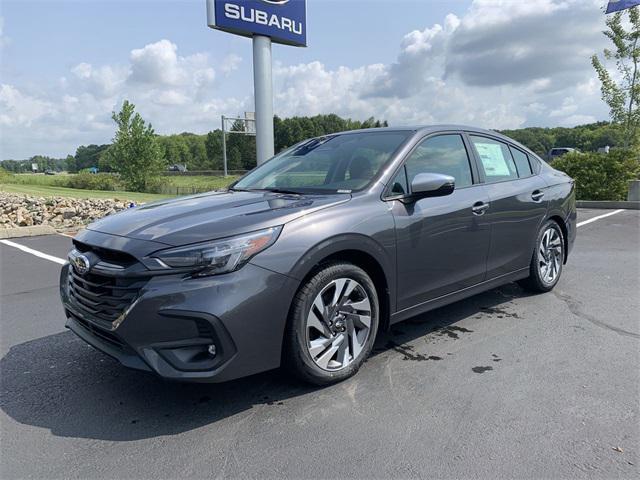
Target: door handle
[[537, 195], [479, 208]]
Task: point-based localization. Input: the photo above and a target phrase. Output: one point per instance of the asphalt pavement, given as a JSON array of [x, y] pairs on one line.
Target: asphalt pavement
[[501, 385]]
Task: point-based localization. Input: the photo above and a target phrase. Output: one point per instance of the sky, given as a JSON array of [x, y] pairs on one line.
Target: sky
[[66, 65]]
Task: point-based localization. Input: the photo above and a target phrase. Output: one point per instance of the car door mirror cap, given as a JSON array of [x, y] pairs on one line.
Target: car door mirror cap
[[431, 185]]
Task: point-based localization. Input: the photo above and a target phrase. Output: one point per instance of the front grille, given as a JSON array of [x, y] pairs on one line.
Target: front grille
[[110, 287]]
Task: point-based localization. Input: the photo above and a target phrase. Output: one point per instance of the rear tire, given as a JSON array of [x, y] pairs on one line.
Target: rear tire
[[547, 259], [332, 325]]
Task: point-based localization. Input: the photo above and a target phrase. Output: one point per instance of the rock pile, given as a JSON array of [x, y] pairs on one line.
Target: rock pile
[[58, 212]]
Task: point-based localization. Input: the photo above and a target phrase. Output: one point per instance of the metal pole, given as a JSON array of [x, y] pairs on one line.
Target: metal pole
[[263, 90], [224, 147]]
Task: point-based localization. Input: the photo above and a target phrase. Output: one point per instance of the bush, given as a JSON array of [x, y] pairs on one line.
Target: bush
[[93, 181], [601, 176], [5, 177]]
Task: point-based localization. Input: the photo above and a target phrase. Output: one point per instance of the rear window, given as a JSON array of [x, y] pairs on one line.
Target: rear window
[[522, 162]]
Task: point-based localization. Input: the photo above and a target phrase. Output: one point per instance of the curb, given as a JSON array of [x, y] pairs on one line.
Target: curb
[[27, 231], [608, 205]]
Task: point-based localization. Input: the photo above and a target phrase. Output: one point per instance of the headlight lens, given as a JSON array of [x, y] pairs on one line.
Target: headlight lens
[[220, 256]]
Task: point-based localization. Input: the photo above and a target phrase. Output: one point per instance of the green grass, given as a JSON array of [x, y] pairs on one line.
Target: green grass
[[53, 191], [172, 185]]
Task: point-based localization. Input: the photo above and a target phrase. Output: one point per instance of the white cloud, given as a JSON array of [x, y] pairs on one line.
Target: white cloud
[[503, 64], [21, 110], [230, 63]]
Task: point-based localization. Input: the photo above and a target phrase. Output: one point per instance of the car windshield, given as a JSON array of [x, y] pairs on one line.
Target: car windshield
[[330, 164]]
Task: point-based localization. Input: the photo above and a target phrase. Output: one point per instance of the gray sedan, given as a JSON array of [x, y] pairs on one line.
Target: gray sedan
[[304, 259]]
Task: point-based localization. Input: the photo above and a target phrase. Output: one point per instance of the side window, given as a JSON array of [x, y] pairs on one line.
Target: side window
[[522, 162], [495, 159], [399, 184], [444, 154]]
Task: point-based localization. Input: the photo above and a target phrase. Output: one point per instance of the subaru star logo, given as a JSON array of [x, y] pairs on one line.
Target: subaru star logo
[[81, 264]]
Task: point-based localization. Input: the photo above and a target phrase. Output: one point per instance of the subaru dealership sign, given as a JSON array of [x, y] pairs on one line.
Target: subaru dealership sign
[[284, 21]]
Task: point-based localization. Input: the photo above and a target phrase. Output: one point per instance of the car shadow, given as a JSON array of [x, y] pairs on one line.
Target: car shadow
[[60, 383]]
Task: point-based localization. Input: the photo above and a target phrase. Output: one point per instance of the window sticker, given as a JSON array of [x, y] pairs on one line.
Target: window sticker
[[493, 159]]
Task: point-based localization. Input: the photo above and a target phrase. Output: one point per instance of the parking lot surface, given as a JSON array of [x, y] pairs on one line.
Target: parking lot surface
[[501, 385]]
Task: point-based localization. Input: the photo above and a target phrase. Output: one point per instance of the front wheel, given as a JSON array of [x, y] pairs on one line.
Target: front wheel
[[547, 259], [332, 325]]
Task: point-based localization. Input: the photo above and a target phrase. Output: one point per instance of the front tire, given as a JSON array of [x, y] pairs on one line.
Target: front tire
[[332, 324], [547, 260]]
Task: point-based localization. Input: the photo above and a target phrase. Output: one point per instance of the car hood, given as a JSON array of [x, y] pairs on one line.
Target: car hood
[[212, 215]]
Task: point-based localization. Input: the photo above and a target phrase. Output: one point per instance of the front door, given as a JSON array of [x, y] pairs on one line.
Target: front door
[[442, 242]]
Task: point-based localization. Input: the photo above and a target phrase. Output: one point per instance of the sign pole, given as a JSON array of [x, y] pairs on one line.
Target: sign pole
[[263, 90], [224, 147]]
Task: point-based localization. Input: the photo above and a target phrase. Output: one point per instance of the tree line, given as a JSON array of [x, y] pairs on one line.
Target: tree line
[[202, 152]]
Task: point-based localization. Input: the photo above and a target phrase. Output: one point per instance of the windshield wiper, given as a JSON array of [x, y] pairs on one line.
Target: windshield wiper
[[282, 190]]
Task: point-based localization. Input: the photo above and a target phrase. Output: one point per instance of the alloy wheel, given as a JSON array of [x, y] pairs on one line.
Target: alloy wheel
[[550, 255], [338, 324]]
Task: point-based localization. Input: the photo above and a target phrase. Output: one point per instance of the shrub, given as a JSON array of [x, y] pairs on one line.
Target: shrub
[[93, 181], [601, 176], [5, 177]]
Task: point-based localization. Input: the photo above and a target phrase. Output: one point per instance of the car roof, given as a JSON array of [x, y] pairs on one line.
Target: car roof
[[426, 129]]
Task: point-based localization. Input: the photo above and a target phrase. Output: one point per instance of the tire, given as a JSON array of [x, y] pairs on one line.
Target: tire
[[548, 253], [327, 341]]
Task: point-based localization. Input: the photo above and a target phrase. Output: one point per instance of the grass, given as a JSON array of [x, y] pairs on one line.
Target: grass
[[53, 191], [56, 185], [171, 185]]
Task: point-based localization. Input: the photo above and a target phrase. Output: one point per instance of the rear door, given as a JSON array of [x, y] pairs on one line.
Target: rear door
[[442, 242], [517, 203]]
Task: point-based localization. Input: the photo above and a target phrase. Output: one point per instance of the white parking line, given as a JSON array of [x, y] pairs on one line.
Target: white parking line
[[599, 217], [61, 261], [46, 256]]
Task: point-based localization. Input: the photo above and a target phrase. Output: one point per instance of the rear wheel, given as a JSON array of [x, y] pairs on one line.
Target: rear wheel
[[547, 260], [333, 324]]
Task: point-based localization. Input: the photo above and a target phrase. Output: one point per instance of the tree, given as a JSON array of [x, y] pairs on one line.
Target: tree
[[623, 96], [88, 156], [213, 146], [135, 153]]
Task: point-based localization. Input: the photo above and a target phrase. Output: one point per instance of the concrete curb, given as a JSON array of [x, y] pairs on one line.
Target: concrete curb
[[608, 204], [27, 231]]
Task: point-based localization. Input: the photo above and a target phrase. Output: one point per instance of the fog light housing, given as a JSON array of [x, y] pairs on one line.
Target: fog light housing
[[212, 350]]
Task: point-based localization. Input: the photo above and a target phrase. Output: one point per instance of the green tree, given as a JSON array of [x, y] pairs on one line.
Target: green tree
[[622, 96], [135, 153], [70, 164], [234, 159], [88, 156], [213, 147]]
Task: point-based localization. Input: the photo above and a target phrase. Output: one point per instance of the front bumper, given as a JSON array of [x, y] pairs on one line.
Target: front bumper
[[170, 326]]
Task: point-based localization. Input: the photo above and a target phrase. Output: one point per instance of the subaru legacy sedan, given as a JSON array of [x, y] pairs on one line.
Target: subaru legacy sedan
[[303, 260]]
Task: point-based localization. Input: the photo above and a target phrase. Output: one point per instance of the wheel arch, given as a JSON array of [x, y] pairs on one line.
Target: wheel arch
[[358, 250], [565, 234]]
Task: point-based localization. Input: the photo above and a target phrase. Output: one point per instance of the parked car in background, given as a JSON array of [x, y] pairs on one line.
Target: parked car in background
[[558, 152], [49, 172], [303, 260], [178, 167]]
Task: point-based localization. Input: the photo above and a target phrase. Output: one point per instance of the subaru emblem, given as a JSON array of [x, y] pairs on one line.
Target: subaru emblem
[[81, 264]]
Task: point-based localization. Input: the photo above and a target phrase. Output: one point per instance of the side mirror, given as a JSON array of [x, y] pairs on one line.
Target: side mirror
[[432, 185]]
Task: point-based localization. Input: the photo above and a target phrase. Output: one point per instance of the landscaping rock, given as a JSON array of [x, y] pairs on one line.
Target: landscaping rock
[[59, 212]]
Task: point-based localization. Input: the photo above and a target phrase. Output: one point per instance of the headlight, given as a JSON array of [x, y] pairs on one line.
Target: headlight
[[219, 256]]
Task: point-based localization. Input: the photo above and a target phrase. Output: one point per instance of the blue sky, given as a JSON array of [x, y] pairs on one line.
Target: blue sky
[[495, 63]]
